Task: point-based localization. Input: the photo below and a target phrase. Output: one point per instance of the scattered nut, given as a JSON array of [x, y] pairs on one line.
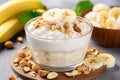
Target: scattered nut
[[53, 28], [25, 59], [43, 73], [23, 63], [17, 60], [12, 78], [86, 70], [30, 63], [8, 44], [26, 69], [76, 28], [28, 53], [16, 64], [79, 68], [21, 53], [32, 73], [73, 73], [35, 67], [92, 52], [20, 39], [30, 57], [52, 75]]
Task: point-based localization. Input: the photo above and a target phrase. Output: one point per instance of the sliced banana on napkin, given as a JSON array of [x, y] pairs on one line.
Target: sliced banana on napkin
[[107, 59], [101, 7], [53, 15], [93, 62]]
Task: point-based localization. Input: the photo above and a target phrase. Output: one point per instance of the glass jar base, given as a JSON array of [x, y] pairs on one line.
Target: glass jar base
[[60, 69]]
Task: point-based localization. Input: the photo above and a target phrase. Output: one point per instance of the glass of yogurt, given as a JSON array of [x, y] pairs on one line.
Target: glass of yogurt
[[58, 39]]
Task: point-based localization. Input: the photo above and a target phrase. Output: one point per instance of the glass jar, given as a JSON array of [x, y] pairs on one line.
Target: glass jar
[[58, 54]]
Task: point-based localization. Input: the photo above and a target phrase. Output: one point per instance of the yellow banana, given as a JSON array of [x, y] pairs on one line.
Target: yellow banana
[[14, 7], [101, 18], [114, 12], [111, 23], [9, 28]]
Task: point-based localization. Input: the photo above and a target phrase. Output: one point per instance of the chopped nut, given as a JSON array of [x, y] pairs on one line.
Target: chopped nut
[[35, 67], [20, 39], [26, 69], [16, 64], [17, 60], [28, 53], [25, 59], [43, 73], [53, 28], [23, 63], [8, 44], [12, 78], [32, 73], [30, 57], [92, 52], [19, 67], [62, 29], [66, 26], [30, 63], [21, 53], [52, 75], [76, 28], [73, 73], [79, 68], [80, 20], [86, 70], [70, 35], [36, 25]]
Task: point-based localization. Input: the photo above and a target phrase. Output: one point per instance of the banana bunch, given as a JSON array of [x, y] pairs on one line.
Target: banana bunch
[[95, 59], [9, 12], [59, 15], [105, 17]]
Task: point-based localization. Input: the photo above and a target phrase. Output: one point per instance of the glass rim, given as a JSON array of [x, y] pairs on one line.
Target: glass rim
[[39, 37]]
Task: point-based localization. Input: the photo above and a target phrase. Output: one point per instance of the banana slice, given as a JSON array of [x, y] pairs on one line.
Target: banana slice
[[91, 16], [53, 15], [107, 59], [114, 12], [93, 62], [101, 7], [118, 22], [101, 18], [111, 23], [69, 16]]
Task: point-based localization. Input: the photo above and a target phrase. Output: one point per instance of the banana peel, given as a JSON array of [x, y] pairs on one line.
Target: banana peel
[[9, 28]]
